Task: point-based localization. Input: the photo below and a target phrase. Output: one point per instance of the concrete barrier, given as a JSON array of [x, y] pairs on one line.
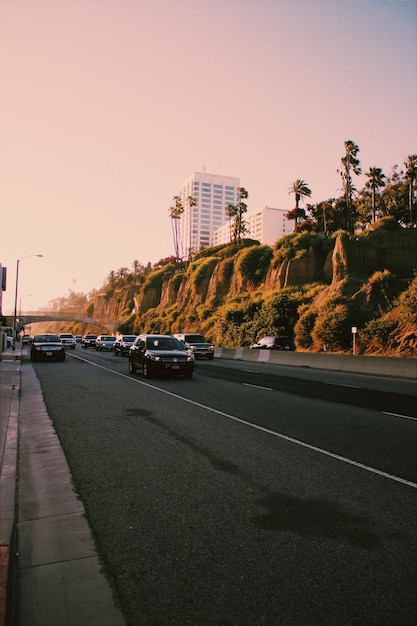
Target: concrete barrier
[[400, 367]]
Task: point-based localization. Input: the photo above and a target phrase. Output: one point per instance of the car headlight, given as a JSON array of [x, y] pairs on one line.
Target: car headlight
[[154, 358], [190, 357]]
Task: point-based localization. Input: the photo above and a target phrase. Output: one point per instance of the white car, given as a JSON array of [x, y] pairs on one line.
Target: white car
[[68, 340]]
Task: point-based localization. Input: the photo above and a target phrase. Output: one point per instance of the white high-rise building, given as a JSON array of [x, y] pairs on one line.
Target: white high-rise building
[[266, 225], [213, 193]]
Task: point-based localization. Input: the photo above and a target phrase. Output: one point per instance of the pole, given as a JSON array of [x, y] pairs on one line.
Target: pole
[[354, 331], [17, 289], [15, 297]]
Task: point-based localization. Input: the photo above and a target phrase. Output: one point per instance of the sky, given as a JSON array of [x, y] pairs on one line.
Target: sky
[[107, 106]]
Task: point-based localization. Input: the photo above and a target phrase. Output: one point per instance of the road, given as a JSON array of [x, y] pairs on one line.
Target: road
[[250, 495]]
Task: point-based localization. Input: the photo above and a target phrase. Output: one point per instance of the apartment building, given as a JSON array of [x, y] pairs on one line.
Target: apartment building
[[212, 193], [266, 225]]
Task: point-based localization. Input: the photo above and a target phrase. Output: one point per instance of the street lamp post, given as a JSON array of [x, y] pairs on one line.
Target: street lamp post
[[17, 289]]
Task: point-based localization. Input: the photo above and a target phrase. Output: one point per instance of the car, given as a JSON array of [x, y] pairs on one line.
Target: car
[[68, 340], [198, 344], [47, 347], [160, 354], [78, 338], [123, 344], [105, 342], [271, 342], [26, 339], [89, 341]]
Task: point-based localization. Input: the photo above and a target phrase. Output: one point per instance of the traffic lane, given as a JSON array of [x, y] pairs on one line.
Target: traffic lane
[[201, 519], [383, 442], [365, 381], [347, 391]]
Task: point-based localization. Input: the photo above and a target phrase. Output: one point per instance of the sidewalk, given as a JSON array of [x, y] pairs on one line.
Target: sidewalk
[[50, 572]]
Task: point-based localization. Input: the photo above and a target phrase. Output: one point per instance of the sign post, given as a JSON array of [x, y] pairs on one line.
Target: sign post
[[354, 331]]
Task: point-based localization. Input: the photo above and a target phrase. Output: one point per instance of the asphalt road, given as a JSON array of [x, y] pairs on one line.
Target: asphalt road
[[249, 495]]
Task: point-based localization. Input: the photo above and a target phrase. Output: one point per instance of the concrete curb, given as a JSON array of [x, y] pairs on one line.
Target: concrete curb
[[400, 367], [10, 376]]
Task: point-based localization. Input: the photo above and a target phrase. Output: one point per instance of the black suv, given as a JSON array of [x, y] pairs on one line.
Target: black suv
[[270, 342], [160, 354]]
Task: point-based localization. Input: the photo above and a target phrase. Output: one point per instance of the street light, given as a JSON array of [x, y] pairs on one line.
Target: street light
[[17, 286]]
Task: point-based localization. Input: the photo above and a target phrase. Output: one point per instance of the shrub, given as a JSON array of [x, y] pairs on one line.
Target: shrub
[[388, 222], [408, 302], [253, 263], [332, 328], [201, 270], [381, 289], [304, 327], [177, 280], [375, 335], [90, 308]]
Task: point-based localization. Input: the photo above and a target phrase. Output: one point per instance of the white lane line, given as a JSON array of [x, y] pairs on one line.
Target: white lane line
[[258, 387], [297, 442], [342, 385], [404, 417]]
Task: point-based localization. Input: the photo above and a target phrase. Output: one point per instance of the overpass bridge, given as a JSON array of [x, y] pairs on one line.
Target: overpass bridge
[[60, 316]]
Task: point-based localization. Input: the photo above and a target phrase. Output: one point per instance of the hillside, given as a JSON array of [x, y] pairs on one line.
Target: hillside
[[311, 287]]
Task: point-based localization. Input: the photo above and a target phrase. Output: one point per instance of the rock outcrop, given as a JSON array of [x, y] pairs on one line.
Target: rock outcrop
[[351, 262]]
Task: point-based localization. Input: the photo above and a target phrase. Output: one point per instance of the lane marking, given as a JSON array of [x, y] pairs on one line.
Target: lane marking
[[404, 417], [342, 385], [258, 386], [297, 442]]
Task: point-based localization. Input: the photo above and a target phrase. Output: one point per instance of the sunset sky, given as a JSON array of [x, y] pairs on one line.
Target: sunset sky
[[107, 106]]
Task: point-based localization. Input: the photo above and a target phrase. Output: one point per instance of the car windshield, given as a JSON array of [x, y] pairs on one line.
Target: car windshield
[[130, 338], [109, 339], [65, 336], [163, 343], [47, 339], [195, 339]]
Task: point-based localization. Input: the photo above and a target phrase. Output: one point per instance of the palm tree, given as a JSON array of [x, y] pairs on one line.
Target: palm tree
[[176, 212], [376, 179], [300, 190], [411, 176], [236, 212], [191, 202], [350, 164]]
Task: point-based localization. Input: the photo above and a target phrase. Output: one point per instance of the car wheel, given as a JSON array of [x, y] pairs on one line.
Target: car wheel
[[62, 358], [146, 370], [132, 367], [210, 357], [189, 374], [32, 357]]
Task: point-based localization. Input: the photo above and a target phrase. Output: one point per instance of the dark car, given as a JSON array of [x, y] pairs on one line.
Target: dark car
[[271, 342], [26, 339], [123, 344], [89, 341], [198, 344], [160, 354], [47, 347]]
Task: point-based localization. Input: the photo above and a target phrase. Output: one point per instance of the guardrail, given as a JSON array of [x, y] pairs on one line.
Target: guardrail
[[400, 367]]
